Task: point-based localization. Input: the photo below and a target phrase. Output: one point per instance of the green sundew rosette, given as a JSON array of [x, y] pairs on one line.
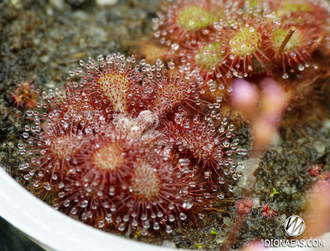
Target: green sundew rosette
[[195, 18], [209, 56], [254, 3], [290, 7], [278, 37], [298, 13], [245, 42]]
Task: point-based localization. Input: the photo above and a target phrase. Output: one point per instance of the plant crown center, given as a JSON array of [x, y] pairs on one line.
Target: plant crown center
[[279, 35], [194, 18], [108, 158], [145, 182], [209, 56], [114, 86], [63, 146], [246, 41]]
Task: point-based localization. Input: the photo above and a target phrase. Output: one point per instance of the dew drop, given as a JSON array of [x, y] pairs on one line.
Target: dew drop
[[207, 195], [201, 216], [184, 162], [101, 224], [121, 227], [285, 76], [61, 194], [135, 223], [175, 46], [221, 196], [47, 186], [144, 232], [84, 203], [89, 214], [156, 226], [84, 216], [168, 229], [146, 224], [212, 88], [108, 218], [126, 218], [182, 216], [171, 65], [187, 205], [301, 67], [66, 203], [192, 184]]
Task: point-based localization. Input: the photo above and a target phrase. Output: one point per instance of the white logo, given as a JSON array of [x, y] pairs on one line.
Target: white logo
[[294, 226]]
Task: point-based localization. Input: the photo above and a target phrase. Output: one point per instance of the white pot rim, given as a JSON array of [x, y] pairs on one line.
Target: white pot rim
[[53, 229]]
